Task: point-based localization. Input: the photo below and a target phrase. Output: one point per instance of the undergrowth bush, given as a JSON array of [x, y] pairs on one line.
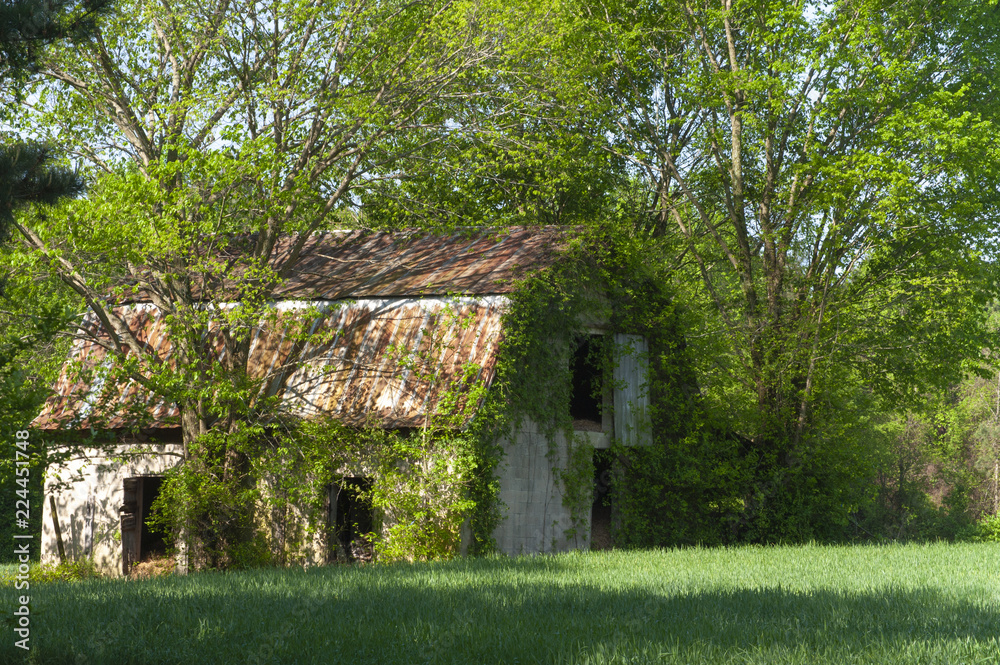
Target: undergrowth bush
[[986, 530], [70, 571]]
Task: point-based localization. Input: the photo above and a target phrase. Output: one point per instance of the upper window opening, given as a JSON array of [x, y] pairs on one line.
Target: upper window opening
[[586, 398]]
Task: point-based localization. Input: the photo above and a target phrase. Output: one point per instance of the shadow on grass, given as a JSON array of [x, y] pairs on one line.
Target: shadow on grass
[[504, 611]]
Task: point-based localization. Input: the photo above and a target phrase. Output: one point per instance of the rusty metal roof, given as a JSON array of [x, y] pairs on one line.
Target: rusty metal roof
[[392, 353], [364, 264], [377, 264], [386, 362]]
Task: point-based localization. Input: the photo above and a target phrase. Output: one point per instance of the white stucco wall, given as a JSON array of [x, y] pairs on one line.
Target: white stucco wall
[[88, 492]]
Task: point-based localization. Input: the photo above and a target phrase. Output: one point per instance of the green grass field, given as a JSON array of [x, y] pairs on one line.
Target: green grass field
[[902, 604]]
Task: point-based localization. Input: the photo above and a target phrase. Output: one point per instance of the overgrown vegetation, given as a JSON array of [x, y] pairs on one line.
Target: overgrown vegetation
[[430, 489], [793, 203], [34, 311]]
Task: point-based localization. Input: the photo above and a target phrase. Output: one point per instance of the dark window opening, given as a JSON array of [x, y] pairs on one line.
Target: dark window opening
[[601, 510], [586, 397], [351, 519]]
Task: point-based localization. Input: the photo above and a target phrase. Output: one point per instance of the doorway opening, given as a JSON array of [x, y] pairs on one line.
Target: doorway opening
[[351, 520], [601, 510], [140, 542]]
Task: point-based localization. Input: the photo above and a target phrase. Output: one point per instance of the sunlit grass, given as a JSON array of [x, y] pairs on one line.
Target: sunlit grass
[[913, 604]]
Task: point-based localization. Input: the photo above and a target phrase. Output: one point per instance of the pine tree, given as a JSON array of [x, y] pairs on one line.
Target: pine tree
[[27, 173]]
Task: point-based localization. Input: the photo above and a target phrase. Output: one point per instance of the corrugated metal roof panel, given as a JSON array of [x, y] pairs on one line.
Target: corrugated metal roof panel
[[387, 362]]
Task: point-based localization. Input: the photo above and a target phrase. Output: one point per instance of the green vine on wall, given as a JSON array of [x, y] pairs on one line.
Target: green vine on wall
[[547, 317], [425, 481], [684, 487]]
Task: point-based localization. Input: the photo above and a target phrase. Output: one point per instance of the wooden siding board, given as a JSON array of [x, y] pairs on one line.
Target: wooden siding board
[[631, 390]]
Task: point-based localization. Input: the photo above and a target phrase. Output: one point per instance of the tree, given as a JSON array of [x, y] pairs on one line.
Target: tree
[[506, 167], [33, 313], [29, 173], [219, 138], [831, 193]]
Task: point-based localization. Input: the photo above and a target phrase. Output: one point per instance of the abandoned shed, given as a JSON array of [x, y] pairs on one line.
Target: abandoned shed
[[378, 297]]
